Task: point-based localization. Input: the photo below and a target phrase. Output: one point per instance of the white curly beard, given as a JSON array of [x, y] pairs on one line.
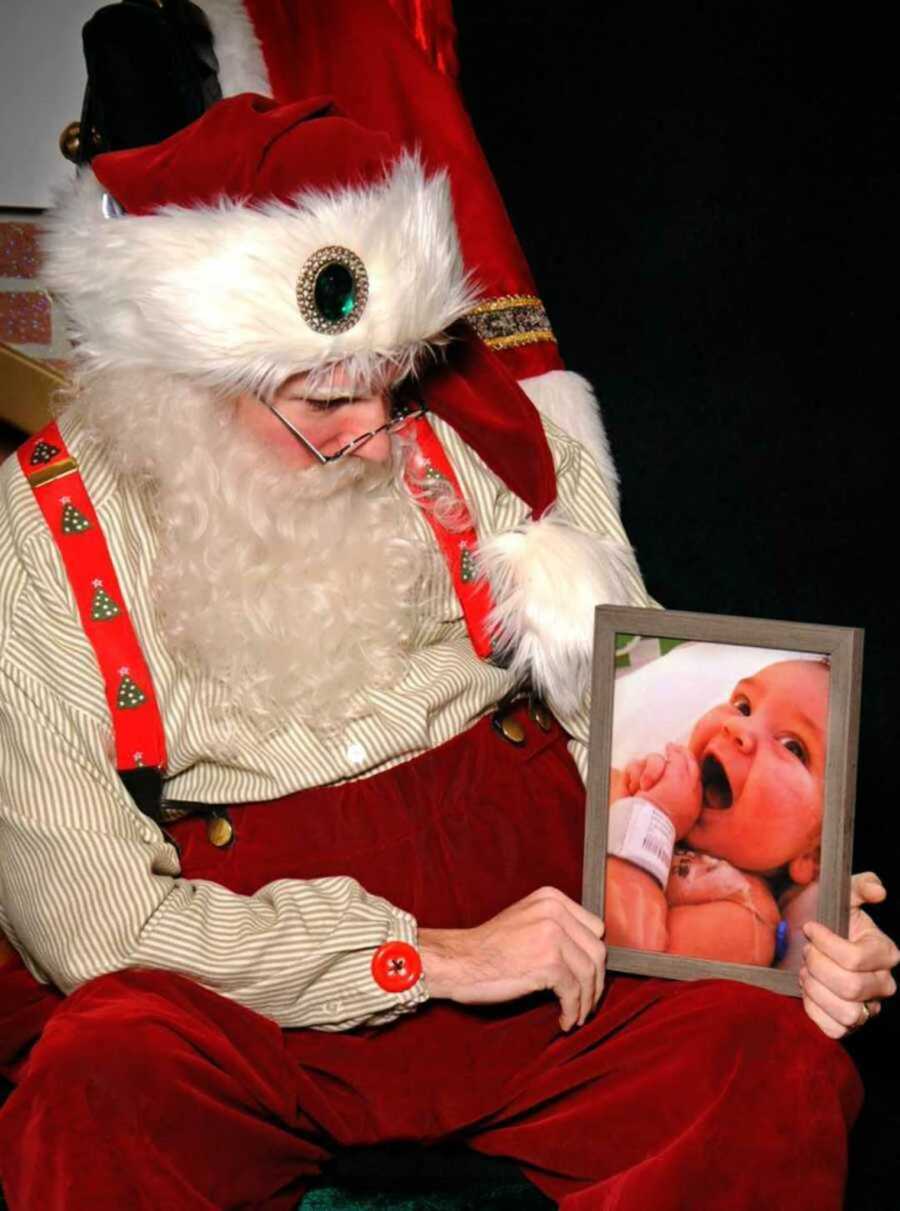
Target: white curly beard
[[292, 588]]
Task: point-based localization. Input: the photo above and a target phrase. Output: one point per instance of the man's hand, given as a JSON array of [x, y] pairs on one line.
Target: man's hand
[[672, 782], [544, 941], [840, 975]]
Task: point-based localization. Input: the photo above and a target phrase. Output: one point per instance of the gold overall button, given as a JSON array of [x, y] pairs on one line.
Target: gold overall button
[[541, 716], [511, 730], [219, 831]]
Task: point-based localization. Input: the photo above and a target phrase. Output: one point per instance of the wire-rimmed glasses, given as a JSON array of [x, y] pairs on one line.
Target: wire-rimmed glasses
[[389, 426]]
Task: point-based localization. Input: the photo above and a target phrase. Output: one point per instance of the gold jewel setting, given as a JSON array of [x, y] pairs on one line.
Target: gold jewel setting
[[309, 290]]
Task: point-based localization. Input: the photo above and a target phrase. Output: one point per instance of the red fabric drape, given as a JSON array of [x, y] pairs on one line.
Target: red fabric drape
[[431, 24]]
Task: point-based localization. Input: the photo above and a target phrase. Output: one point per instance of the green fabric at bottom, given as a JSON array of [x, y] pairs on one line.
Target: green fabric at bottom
[[506, 1196]]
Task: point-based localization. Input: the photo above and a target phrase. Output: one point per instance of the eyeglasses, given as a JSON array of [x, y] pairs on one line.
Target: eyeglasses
[[390, 426]]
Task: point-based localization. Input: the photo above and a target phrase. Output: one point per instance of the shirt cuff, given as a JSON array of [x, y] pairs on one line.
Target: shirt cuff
[[360, 1000]]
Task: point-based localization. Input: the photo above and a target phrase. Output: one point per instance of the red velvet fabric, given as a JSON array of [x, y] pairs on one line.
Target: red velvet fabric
[[149, 1091], [432, 25], [25, 1009], [248, 148], [475, 392]]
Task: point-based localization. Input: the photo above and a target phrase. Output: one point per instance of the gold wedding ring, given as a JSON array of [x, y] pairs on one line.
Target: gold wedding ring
[[864, 1014]]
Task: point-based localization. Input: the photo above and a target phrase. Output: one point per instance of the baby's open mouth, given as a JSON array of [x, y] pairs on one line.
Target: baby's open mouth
[[716, 787]]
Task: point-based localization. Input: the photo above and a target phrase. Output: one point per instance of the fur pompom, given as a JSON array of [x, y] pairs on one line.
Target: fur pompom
[[569, 401], [547, 577]]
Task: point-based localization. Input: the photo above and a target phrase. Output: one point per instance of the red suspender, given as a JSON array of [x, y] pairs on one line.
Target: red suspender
[[62, 498], [137, 724], [457, 546]]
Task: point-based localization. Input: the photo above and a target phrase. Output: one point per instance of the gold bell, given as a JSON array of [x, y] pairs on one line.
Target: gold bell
[[540, 714], [219, 830], [510, 729], [70, 141]]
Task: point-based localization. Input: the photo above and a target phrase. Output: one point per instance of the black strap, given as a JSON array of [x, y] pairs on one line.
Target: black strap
[[145, 785]]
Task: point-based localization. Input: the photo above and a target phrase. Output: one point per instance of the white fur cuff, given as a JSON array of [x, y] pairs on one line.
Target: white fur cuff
[[547, 577]]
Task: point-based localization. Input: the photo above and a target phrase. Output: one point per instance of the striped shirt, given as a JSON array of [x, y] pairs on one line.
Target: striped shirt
[[89, 885]]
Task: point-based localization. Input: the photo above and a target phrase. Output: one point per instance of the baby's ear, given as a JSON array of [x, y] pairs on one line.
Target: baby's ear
[[805, 869]]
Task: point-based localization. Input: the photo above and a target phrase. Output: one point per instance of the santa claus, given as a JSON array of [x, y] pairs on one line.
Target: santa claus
[[284, 821]]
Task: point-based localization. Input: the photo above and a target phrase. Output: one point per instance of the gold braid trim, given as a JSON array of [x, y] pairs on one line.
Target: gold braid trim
[[521, 338], [511, 320], [505, 302]]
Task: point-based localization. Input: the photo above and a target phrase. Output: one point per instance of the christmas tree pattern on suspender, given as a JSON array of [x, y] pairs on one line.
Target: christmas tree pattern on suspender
[[42, 453], [61, 495], [72, 522], [130, 695], [103, 608], [467, 567]]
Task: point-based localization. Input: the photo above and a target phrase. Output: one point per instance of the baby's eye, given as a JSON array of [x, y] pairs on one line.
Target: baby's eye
[[794, 746], [741, 704]]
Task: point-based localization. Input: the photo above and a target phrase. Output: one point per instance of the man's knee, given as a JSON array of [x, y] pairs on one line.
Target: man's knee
[[770, 1036], [138, 1035], [112, 1036], [142, 1092]]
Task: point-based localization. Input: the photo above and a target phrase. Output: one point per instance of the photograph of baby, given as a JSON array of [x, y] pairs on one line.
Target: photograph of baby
[[716, 800]]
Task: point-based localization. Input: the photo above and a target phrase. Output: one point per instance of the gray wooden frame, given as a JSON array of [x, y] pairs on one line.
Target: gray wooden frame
[[843, 646]]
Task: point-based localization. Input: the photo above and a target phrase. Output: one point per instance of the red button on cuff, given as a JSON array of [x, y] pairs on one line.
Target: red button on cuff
[[396, 966]]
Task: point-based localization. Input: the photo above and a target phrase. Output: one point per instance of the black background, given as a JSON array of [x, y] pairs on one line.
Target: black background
[[706, 198]]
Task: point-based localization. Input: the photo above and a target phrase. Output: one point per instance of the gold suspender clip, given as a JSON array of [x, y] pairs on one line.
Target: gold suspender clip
[[46, 475]]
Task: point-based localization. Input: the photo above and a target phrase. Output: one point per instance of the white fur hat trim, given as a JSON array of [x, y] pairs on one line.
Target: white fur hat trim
[[210, 292]]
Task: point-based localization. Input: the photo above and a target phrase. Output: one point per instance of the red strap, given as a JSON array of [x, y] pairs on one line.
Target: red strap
[[457, 546], [62, 498]]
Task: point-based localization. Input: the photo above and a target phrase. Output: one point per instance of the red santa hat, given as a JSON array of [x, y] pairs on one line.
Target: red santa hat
[[392, 64], [208, 254], [270, 238], [265, 240]]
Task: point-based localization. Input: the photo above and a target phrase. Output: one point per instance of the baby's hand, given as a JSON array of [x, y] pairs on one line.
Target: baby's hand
[[644, 772], [701, 878], [677, 788]]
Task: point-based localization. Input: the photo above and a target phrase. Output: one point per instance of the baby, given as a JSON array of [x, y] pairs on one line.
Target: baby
[[745, 797]]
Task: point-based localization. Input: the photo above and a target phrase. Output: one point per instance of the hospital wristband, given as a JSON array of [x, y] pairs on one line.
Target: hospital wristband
[[640, 833]]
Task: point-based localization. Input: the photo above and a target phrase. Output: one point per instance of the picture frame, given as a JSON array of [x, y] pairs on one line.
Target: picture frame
[[755, 804]]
